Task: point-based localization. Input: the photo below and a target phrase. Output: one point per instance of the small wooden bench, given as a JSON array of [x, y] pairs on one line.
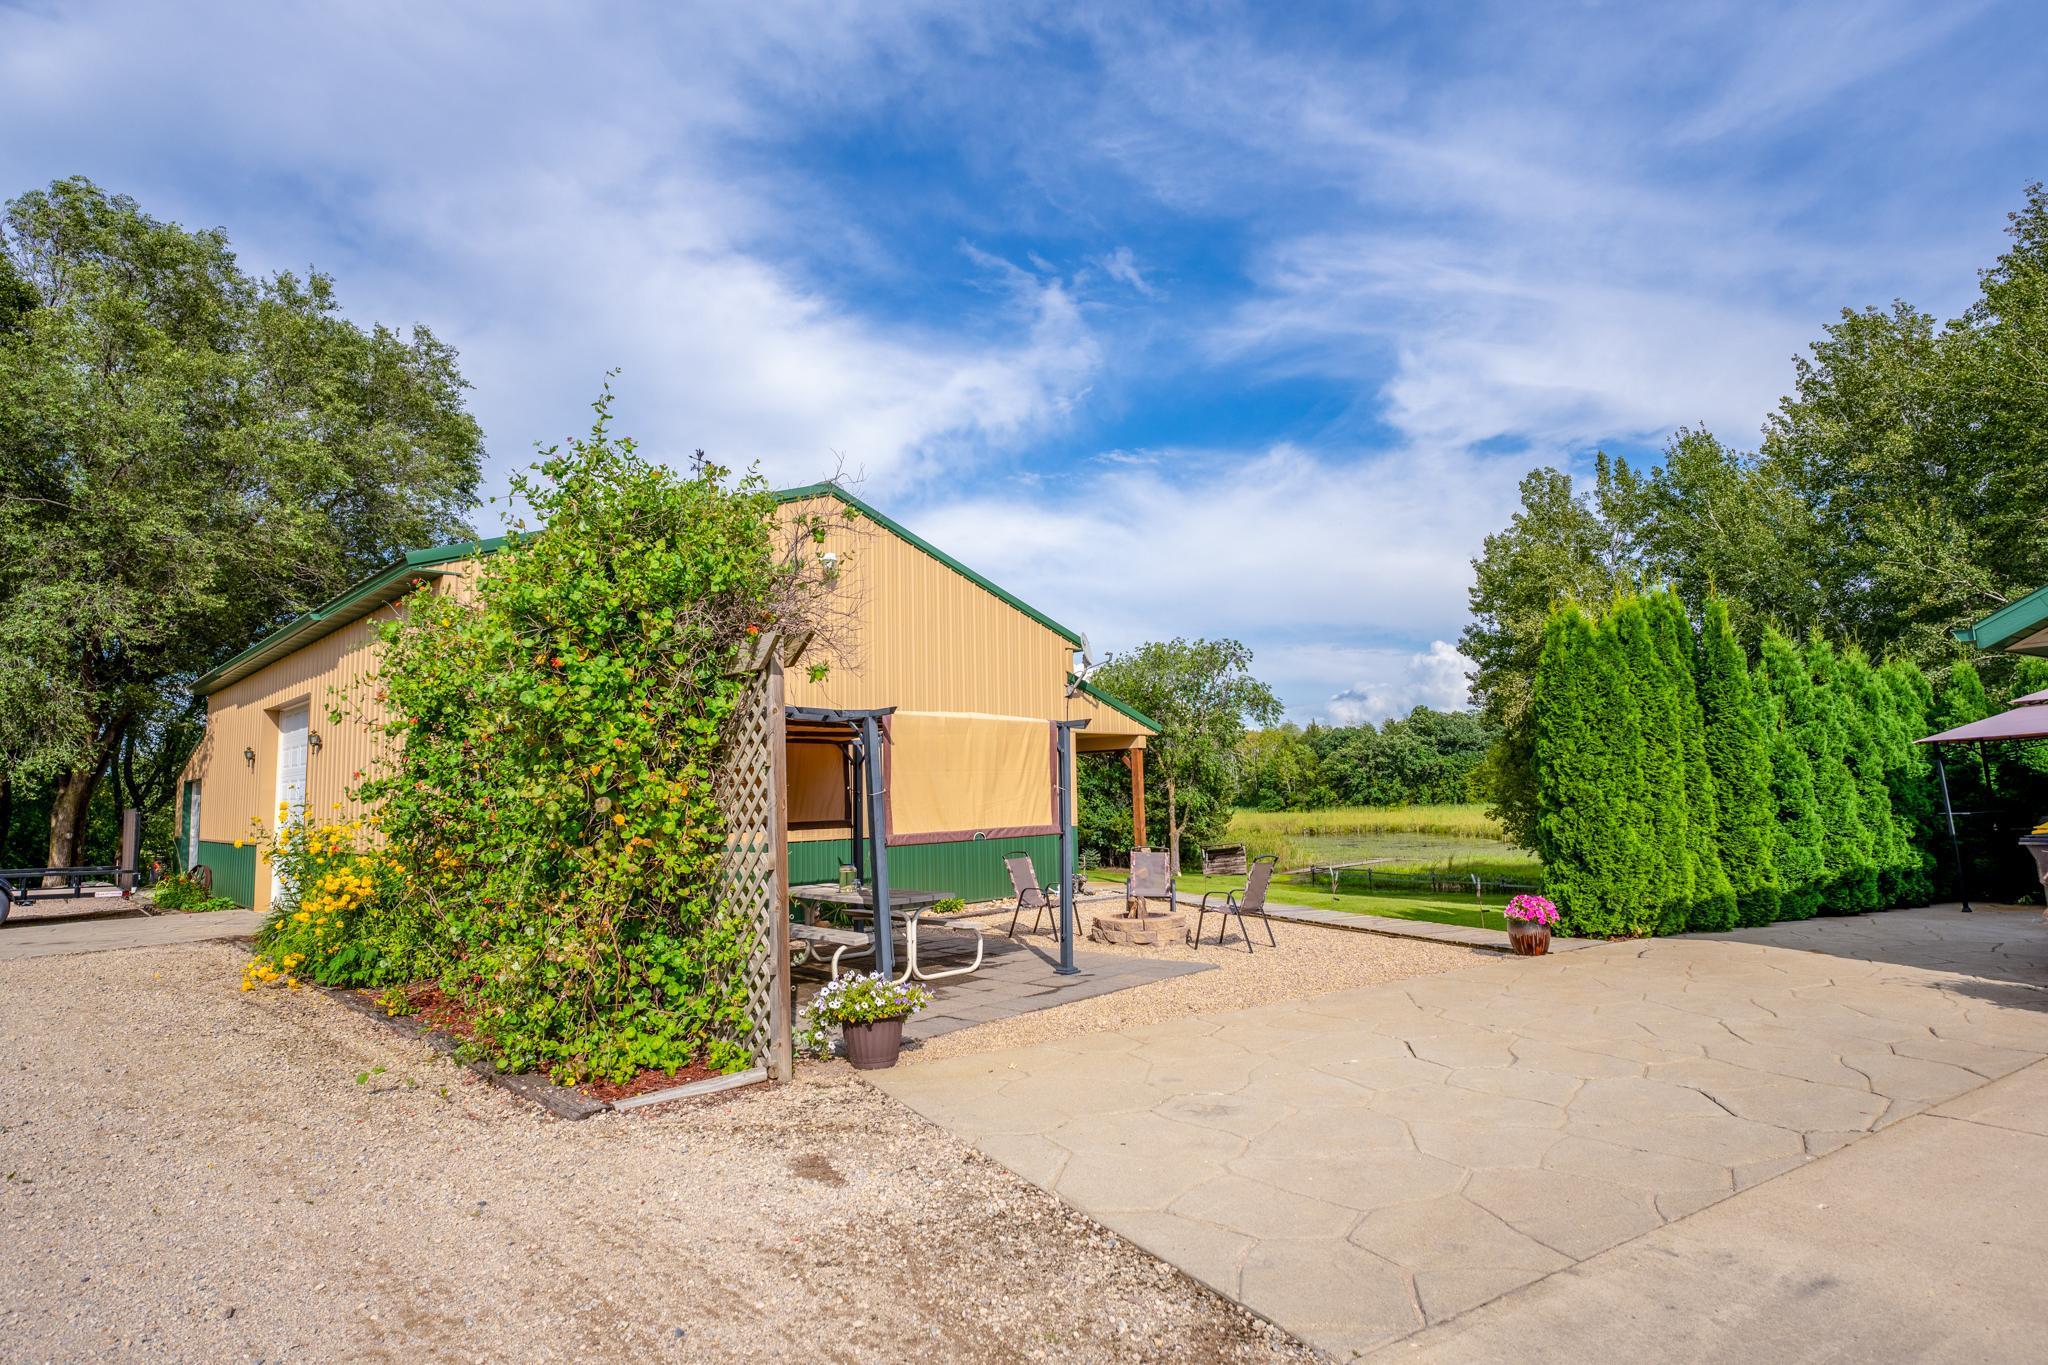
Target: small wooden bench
[[808, 940]]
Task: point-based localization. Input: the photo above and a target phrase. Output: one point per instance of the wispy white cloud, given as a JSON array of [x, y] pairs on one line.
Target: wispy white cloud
[[1011, 262], [1393, 684], [558, 198]]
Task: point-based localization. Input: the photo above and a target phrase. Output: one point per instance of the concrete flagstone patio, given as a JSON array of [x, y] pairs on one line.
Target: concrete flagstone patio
[[1015, 977], [1360, 1166]]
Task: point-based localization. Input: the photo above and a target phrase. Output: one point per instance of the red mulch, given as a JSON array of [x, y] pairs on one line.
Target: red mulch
[[433, 1006], [646, 1081]]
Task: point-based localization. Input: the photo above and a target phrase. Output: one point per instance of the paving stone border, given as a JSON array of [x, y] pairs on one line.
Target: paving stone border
[[1359, 922]]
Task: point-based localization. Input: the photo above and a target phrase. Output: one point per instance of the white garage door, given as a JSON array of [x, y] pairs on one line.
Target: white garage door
[[291, 777]]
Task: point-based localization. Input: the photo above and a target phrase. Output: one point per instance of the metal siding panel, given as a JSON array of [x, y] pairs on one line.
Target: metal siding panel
[[234, 870]]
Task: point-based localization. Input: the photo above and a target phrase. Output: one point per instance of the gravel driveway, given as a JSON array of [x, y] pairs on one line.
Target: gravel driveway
[[194, 1173]]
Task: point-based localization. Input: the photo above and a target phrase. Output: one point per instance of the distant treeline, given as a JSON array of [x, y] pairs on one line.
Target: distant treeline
[[1427, 757]]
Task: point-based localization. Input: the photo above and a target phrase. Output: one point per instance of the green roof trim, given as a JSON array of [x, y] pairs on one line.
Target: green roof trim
[[1114, 703], [345, 608], [2008, 623], [904, 533]]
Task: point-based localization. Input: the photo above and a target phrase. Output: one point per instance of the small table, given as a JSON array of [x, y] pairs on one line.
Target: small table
[[859, 902]]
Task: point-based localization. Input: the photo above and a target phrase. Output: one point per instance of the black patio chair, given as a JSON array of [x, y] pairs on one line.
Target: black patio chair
[[1253, 902]]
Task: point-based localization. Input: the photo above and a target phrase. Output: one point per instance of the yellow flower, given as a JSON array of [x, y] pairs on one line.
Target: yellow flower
[[238, 843], [618, 819]]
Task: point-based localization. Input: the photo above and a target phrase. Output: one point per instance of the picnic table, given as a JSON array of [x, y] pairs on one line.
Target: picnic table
[[858, 902]]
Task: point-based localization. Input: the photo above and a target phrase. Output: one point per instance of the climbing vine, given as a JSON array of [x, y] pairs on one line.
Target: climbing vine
[[554, 721]]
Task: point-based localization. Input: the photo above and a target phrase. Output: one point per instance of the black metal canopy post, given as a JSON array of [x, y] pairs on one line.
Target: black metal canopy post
[[1066, 730], [859, 795], [1948, 812], [878, 841]]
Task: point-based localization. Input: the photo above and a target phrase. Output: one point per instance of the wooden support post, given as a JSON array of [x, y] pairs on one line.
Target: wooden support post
[[1134, 759]]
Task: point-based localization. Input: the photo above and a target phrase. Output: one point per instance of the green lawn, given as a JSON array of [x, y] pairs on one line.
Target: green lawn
[[1439, 909]]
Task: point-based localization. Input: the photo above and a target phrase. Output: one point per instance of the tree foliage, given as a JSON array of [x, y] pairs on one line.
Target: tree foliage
[[1736, 736], [1427, 757], [548, 794], [1895, 496], [1679, 790], [188, 456], [1202, 693]]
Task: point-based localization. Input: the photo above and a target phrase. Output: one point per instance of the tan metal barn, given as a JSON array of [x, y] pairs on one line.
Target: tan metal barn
[[976, 676]]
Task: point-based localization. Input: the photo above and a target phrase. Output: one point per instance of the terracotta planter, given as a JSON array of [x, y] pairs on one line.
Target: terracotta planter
[[871, 1047], [1528, 939]]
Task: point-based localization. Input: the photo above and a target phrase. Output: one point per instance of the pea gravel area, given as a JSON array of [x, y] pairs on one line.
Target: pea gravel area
[[1310, 960], [191, 1172]]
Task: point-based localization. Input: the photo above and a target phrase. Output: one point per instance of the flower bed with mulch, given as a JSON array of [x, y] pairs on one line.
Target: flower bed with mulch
[[446, 1023]]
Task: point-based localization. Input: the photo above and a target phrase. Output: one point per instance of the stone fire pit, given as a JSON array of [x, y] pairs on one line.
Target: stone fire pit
[[1140, 931]]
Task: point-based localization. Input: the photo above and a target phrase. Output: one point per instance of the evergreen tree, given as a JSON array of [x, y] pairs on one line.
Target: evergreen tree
[[1712, 906], [1587, 745], [1799, 835], [1960, 699], [1827, 736], [1666, 818], [1737, 731], [1915, 802], [1876, 739]]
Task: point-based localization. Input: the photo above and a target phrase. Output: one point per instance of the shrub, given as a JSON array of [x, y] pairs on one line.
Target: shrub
[[553, 738], [340, 919], [184, 892], [1738, 750]]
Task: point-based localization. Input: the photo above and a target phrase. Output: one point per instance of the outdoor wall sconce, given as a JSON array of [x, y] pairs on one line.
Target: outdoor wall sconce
[[313, 741], [249, 757]]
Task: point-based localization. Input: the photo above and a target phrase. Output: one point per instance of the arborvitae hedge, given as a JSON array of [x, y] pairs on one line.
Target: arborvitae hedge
[[1851, 833], [1667, 817], [1736, 726], [1712, 904], [1677, 789], [1589, 761], [1801, 837]]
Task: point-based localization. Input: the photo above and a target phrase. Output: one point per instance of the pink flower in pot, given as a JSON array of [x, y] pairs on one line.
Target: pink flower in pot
[[1530, 918]]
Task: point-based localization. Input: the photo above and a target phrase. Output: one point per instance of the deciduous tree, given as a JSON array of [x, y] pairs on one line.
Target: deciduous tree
[[188, 456]]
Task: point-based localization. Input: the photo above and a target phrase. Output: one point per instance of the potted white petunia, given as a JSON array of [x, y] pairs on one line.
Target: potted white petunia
[[870, 1010]]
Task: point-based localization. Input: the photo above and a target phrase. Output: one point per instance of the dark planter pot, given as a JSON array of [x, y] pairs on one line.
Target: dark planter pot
[[871, 1047], [1527, 939]]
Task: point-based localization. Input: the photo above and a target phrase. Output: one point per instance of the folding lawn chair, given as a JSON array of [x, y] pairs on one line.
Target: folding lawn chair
[[1030, 895], [1253, 902], [1152, 879]]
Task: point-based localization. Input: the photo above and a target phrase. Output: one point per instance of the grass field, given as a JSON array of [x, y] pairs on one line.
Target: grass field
[[1439, 909], [1453, 840]]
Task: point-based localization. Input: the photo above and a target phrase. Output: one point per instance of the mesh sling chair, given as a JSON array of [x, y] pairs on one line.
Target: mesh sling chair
[[1253, 902], [1151, 880], [1030, 895]]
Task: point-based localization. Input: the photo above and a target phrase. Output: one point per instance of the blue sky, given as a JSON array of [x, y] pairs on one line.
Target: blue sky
[[1221, 319]]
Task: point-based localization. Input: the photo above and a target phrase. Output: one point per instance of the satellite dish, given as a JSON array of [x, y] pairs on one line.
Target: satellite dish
[[1087, 666]]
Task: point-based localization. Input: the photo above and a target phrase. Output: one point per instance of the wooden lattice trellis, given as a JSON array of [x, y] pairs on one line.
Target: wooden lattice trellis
[[753, 872]]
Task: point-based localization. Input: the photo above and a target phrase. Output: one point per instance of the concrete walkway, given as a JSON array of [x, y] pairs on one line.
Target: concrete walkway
[[1362, 1166], [1923, 1243], [24, 938]]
